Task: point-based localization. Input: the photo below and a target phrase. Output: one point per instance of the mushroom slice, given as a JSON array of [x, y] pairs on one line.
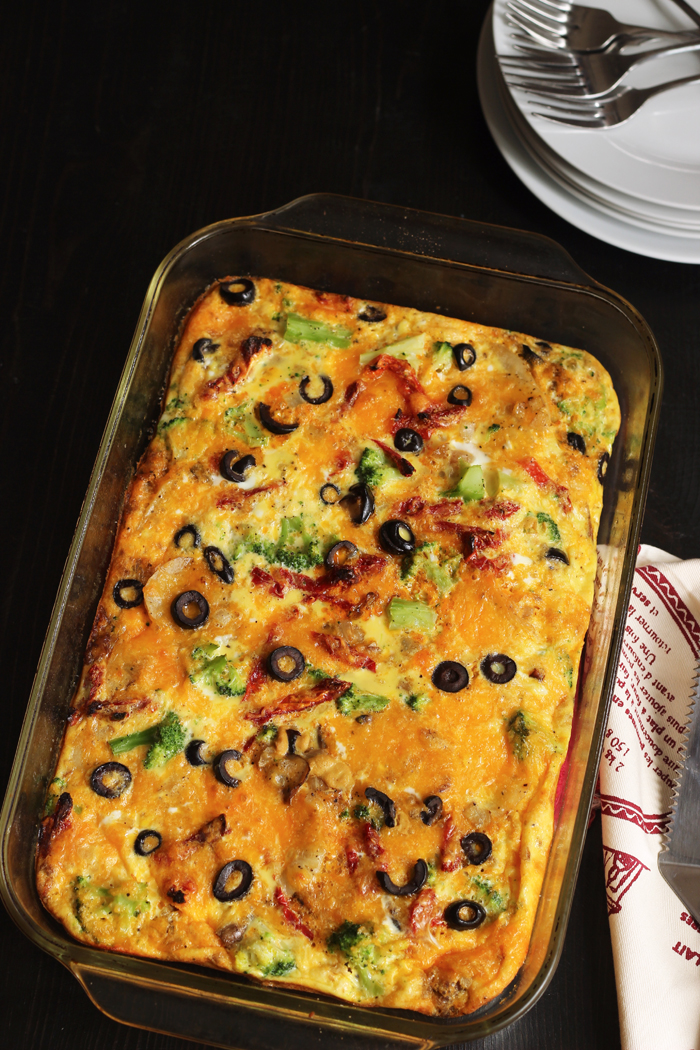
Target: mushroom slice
[[289, 774]]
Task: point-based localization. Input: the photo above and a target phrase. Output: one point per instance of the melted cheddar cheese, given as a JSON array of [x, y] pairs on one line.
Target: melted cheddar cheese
[[349, 890]]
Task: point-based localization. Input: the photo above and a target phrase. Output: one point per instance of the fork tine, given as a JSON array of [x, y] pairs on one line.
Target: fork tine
[[564, 5], [540, 36], [536, 13], [535, 58], [570, 92], [571, 122], [526, 21], [552, 43]]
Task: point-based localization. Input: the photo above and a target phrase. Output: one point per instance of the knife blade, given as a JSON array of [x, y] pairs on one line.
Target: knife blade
[[679, 859]]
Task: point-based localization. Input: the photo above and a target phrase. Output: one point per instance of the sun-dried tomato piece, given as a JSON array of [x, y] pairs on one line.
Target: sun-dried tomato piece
[[256, 677], [285, 906], [425, 912], [328, 689], [353, 859], [502, 510], [543, 481], [55, 823], [399, 462], [373, 845]]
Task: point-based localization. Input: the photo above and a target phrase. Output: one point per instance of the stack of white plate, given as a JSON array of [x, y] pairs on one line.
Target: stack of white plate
[[635, 185]]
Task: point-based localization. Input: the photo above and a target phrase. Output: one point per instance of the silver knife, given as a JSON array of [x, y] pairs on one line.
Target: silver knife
[[679, 859]]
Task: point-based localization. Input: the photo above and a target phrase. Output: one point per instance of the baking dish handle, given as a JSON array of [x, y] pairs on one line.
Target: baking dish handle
[[422, 233], [219, 1021]]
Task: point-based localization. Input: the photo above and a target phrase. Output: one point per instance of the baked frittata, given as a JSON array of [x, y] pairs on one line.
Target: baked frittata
[[330, 683]]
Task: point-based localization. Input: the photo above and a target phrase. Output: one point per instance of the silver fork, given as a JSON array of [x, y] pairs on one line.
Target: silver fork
[[578, 28], [603, 111], [569, 74]]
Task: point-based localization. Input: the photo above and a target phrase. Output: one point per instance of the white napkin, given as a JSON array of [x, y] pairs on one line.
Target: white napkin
[[656, 944]]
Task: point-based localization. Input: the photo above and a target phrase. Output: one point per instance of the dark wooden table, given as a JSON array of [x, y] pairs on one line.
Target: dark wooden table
[[124, 128]]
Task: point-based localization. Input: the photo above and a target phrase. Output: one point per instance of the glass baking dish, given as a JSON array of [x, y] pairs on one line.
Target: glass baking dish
[[489, 274]]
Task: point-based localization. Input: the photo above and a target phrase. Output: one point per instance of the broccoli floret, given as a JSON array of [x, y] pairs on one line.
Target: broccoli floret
[[295, 548], [553, 533], [242, 416], [374, 468], [169, 741], [165, 740], [425, 559], [490, 897], [355, 703], [216, 672], [279, 968], [442, 357], [417, 701], [519, 728], [267, 733], [351, 939], [345, 937]]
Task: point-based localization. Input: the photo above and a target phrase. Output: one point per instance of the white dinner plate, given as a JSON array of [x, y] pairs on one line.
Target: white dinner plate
[[618, 205], [549, 191], [654, 156]]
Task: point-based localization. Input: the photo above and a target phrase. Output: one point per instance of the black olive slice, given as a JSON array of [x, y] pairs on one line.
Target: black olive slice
[[221, 770], [576, 442], [477, 847], [218, 563], [329, 493], [322, 398], [498, 668], [433, 810], [529, 355], [271, 424], [371, 314], [453, 915], [460, 395], [387, 805], [285, 663], [202, 347], [416, 882], [361, 501], [554, 554], [292, 737], [603, 467], [464, 355], [340, 554], [407, 440], [222, 880], [147, 842], [240, 292], [190, 609], [234, 469], [397, 537], [450, 677], [187, 537], [128, 593], [193, 753], [110, 780]]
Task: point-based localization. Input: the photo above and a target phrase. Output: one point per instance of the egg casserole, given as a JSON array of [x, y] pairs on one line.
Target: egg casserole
[[330, 684]]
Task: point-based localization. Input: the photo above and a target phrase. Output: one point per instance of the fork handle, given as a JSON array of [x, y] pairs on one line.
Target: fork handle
[[631, 61], [657, 89], [690, 11]]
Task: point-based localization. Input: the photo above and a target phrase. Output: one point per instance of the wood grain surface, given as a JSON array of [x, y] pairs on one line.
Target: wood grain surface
[[126, 127]]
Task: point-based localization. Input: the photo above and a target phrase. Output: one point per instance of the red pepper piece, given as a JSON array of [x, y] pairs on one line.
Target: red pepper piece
[[284, 904], [502, 510]]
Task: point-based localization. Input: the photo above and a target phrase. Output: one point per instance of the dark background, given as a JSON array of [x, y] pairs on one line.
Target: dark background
[[127, 126]]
